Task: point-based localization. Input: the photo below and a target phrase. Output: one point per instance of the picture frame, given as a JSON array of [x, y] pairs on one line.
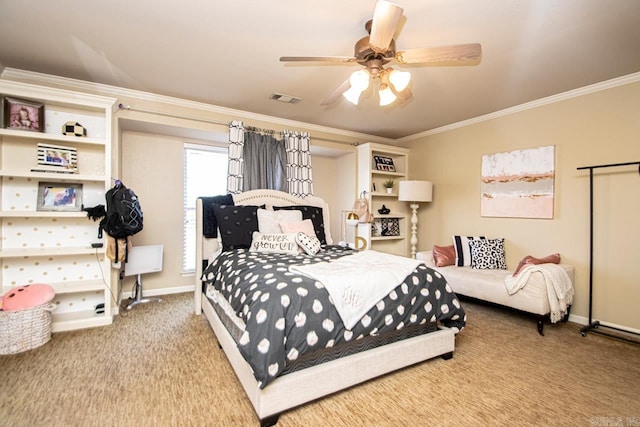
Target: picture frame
[[384, 164], [59, 196], [21, 114], [56, 158]]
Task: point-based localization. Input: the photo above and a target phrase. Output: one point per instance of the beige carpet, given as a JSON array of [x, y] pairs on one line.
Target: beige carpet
[[160, 366]]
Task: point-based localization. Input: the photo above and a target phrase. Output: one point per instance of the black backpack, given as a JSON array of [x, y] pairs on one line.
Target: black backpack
[[124, 214]]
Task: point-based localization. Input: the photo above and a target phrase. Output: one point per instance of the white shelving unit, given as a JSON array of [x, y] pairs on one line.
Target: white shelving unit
[[370, 179], [54, 247]]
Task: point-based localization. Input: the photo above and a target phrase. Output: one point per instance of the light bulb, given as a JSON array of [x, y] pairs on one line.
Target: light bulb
[[352, 95], [399, 79], [359, 79], [386, 95]]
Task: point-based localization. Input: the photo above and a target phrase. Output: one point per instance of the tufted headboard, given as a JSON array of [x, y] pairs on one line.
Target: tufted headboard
[[206, 247]]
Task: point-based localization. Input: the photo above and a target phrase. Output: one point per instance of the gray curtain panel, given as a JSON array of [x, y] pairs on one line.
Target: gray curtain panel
[[265, 162]]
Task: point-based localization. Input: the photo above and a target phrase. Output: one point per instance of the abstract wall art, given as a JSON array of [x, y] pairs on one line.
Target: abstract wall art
[[518, 184]]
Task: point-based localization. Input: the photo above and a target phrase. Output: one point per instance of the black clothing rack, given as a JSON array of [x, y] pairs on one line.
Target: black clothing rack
[[595, 325]]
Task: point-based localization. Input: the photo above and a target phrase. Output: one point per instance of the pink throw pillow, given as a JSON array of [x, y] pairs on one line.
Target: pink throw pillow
[[444, 255], [304, 226], [550, 259]]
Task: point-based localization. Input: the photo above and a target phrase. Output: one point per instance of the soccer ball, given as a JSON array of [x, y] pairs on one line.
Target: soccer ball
[[73, 129]]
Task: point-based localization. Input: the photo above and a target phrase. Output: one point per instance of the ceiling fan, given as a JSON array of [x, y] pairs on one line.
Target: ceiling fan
[[378, 49]]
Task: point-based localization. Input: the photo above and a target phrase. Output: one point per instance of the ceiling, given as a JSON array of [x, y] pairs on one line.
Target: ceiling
[[227, 52]]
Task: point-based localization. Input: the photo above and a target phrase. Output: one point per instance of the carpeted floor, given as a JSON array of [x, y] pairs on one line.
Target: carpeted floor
[[160, 366]]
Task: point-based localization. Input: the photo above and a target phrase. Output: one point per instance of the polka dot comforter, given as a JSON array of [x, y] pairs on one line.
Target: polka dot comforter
[[287, 314]]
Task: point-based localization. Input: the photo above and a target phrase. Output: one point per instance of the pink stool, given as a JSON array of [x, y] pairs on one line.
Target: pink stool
[[28, 296]]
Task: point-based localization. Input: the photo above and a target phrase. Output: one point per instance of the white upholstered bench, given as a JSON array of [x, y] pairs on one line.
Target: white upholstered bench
[[489, 285]]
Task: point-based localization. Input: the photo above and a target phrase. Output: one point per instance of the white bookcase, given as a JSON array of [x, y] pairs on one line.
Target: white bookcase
[[371, 179], [54, 247]]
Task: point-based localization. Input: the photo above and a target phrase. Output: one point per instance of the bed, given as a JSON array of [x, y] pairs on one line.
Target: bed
[[308, 352]]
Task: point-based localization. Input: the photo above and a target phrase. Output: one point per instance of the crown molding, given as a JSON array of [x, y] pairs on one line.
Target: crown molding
[[55, 94], [85, 86], [597, 87]]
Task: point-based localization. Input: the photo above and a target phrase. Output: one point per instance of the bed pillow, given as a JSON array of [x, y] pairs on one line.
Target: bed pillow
[[275, 243], [550, 259], [209, 222], [236, 224], [314, 213], [444, 255], [269, 221], [304, 226], [488, 254], [463, 252], [309, 244]]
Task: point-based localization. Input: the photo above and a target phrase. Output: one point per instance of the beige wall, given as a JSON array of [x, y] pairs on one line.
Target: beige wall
[[598, 128], [152, 164]]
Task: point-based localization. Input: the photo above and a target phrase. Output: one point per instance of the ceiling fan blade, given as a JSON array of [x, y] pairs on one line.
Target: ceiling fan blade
[[336, 93], [317, 59], [460, 54], [386, 17]]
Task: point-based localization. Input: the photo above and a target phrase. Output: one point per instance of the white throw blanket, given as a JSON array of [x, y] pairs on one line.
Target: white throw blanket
[[357, 282], [559, 287]]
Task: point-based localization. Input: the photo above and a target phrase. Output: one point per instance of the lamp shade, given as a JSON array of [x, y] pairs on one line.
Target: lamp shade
[[399, 79], [386, 95], [352, 219], [352, 95], [359, 80], [415, 191]]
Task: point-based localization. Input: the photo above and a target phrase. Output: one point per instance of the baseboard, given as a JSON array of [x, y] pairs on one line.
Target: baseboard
[[581, 320], [585, 321]]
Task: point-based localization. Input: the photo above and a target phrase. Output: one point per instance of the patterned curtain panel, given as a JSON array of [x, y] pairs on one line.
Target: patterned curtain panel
[[236, 157], [299, 173], [265, 162]]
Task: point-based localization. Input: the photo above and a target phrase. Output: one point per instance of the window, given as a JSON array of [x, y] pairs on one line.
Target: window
[[205, 174]]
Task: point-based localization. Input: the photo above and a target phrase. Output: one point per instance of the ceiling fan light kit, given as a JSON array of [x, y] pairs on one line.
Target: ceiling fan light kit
[[386, 95], [360, 80], [352, 95], [399, 79], [379, 48]]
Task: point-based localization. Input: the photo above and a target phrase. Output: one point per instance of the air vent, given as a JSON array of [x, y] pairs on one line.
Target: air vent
[[285, 98]]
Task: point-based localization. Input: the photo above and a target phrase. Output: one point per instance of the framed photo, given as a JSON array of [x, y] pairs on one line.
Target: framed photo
[[59, 196], [384, 164], [23, 115], [56, 158]]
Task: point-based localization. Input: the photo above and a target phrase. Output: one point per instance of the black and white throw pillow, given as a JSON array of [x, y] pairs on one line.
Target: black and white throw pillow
[[488, 254], [309, 244], [463, 252], [236, 224]]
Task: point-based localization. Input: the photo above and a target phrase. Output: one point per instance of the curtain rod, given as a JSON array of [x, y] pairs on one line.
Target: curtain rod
[[122, 106]]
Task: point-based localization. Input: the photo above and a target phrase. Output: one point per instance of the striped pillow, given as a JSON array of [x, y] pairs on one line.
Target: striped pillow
[[463, 252]]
